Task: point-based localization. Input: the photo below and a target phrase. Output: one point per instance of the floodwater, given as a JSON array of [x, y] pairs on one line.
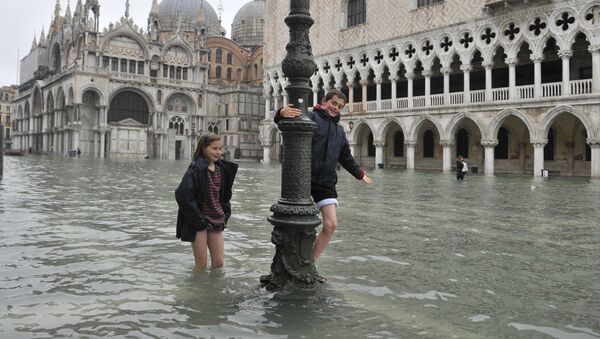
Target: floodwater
[[88, 249]]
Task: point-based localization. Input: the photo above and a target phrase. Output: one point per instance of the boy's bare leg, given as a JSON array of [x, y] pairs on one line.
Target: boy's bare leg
[[329, 225], [199, 249], [216, 247]]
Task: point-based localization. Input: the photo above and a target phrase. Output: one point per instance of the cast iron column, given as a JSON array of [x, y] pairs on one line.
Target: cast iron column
[[295, 215]]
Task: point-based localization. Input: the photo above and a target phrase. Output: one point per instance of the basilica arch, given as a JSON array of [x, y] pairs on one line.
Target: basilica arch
[[128, 120]]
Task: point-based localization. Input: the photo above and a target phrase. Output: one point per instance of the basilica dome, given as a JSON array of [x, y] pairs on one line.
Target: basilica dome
[[247, 27], [170, 10]]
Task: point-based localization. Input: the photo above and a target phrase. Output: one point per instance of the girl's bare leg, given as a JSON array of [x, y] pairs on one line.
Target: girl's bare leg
[[216, 247], [199, 249]]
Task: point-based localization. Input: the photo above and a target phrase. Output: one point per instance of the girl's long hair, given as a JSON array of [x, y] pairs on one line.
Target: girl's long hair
[[203, 142]]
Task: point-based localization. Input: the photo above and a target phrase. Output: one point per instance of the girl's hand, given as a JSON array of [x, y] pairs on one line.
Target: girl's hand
[[367, 180]]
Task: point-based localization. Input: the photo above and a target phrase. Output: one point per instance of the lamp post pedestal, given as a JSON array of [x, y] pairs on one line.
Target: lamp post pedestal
[[295, 215]]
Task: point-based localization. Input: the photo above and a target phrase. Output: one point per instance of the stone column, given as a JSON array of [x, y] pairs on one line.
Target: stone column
[[427, 74], [267, 107], [570, 157], [350, 96], [489, 147], [446, 73], [467, 82], [537, 75], [595, 148], [488, 81], [410, 154], [522, 156], [512, 82], [379, 154], [315, 91], [285, 98], [276, 98], [595, 50], [538, 156], [364, 84], [410, 76], [378, 97], [446, 155], [394, 79], [266, 153], [352, 148], [565, 55], [102, 142]]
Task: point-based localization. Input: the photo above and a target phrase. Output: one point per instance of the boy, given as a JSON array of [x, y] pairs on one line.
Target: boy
[[329, 146]]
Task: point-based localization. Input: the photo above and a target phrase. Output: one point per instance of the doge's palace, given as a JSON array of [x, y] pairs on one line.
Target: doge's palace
[[513, 86]]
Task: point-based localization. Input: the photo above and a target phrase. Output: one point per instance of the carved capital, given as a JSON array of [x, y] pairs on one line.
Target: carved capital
[[393, 78], [539, 142], [350, 84], [409, 75], [410, 143], [593, 142], [510, 61], [364, 82], [537, 58], [426, 73], [565, 53], [466, 68], [446, 143], [378, 144], [489, 143], [487, 64], [594, 49], [445, 70]]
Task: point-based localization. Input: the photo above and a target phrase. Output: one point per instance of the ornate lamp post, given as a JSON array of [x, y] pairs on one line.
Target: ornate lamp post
[[294, 215]]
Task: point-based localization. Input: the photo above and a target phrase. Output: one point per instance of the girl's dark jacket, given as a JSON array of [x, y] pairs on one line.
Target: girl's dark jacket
[[329, 147], [191, 194]]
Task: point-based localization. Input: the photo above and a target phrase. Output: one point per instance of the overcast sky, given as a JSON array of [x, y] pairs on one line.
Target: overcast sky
[[20, 19]]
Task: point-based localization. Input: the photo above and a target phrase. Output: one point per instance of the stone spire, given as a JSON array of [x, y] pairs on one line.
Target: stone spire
[[68, 13], [34, 43], [57, 18], [127, 8], [42, 38], [78, 9], [201, 18], [154, 9]]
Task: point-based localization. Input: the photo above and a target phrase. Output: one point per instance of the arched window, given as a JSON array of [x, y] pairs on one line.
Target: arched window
[[159, 96], [370, 146], [177, 124], [229, 73], [428, 147], [218, 72], [128, 105], [255, 71], [209, 55], [462, 143], [200, 101], [219, 56], [229, 58], [357, 12], [501, 150], [549, 148], [399, 144]]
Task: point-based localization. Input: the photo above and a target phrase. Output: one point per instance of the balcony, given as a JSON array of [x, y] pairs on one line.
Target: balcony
[[520, 93]]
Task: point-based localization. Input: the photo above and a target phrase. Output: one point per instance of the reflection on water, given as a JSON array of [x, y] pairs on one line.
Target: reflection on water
[[87, 248]]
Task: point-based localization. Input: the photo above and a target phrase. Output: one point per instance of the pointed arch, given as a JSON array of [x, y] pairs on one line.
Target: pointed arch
[[549, 117], [419, 122], [503, 115], [456, 120]]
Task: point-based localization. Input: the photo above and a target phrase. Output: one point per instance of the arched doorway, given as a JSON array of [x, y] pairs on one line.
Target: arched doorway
[[128, 118]]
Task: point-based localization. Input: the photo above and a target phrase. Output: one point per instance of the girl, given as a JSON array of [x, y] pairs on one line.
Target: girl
[[203, 197]]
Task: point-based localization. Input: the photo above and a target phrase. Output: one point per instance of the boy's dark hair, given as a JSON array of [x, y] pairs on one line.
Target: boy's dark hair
[[335, 92]]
